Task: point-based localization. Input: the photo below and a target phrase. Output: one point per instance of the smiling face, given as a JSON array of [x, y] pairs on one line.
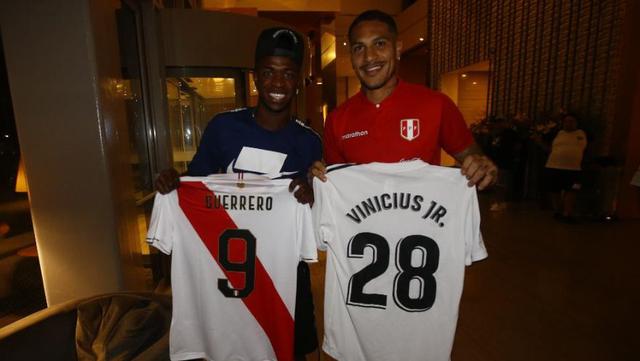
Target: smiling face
[[276, 82], [374, 54]]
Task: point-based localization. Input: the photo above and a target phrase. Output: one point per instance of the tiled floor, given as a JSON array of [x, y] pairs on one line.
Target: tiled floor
[[548, 291]]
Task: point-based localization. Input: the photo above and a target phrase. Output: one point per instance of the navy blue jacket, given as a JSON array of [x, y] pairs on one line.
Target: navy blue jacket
[[227, 133]]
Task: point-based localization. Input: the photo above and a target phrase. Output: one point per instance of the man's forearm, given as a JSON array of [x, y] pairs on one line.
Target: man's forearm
[[472, 149]]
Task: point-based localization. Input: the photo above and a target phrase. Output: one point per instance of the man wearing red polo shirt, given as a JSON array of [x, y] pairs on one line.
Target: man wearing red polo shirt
[[390, 120]]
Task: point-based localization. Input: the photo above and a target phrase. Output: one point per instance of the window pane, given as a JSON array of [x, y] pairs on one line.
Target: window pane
[[21, 287], [252, 98], [130, 90], [193, 102]]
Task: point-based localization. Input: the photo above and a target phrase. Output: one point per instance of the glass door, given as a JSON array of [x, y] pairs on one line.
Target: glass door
[[194, 97]]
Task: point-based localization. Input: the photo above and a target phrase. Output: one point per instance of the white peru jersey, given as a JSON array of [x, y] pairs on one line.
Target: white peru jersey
[[235, 252], [398, 237]]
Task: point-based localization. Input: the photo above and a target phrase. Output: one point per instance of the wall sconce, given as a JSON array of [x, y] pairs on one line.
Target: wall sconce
[[22, 186]]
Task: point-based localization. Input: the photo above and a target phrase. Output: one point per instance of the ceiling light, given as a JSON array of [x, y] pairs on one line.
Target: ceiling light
[[421, 39], [344, 43], [464, 75]]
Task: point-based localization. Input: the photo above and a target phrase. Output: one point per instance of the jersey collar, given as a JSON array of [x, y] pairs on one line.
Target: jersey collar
[[290, 124]]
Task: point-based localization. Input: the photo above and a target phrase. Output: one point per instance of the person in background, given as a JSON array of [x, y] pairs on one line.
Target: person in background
[[390, 120], [563, 167], [267, 139], [504, 150]]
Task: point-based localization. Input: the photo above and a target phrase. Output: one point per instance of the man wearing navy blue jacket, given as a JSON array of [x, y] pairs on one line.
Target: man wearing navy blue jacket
[[267, 139]]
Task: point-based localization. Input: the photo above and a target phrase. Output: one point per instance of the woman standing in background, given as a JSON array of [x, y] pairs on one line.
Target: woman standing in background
[[564, 166]]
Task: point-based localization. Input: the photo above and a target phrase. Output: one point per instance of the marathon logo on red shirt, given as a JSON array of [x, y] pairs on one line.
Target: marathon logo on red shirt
[[409, 128], [357, 133]]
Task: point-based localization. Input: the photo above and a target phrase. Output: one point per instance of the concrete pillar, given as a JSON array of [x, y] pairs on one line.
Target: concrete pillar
[[63, 66]]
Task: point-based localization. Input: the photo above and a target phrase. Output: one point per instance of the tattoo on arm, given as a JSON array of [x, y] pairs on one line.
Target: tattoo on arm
[[472, 149]]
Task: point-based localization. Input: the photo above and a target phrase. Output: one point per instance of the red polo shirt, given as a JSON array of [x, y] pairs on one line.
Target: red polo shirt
[[412, 122]]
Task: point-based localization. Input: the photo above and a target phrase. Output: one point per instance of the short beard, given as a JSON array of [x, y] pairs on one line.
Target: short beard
[[374, 86], [378, 85]]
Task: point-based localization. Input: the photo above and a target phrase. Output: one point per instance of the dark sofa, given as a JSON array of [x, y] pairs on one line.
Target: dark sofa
[[118, 326]]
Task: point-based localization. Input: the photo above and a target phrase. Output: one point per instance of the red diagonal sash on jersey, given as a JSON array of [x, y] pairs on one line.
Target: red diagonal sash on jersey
[[263, 302]]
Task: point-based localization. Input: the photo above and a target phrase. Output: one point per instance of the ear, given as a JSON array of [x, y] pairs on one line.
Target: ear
[[398, 48]]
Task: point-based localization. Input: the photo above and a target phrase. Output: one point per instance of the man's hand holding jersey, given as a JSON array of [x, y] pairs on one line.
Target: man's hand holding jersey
[[302, 190], [319, 170], [167, 180], [477, 167]]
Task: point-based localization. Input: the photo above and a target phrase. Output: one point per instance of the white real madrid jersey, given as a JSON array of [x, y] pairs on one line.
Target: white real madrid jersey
[[398, 237], [235, 252]]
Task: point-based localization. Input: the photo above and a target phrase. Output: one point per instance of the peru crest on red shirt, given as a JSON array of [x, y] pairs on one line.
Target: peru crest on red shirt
[[409, 128]]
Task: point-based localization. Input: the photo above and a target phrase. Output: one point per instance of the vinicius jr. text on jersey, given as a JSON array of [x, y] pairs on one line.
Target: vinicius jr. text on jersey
[[395, 200]]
